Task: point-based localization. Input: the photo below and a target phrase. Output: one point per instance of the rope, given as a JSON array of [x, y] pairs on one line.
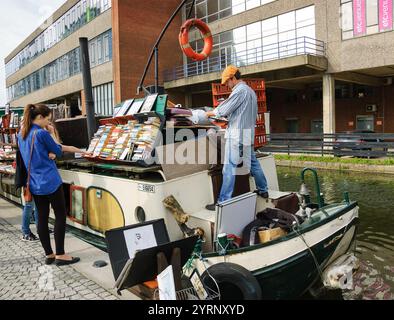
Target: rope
[[310, 250]]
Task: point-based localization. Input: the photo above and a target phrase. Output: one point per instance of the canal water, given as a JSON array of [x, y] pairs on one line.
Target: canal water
[[375, 240]]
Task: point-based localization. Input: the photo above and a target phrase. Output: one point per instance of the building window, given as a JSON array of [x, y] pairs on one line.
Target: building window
[[317, 126], [64, 67], [285, 35], [365, 17], [292, 125], [104, 99], [212, 10], [365, 123], [71, 21]]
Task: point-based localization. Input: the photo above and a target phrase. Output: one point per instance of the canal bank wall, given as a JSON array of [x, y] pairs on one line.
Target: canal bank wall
[[370, 168]]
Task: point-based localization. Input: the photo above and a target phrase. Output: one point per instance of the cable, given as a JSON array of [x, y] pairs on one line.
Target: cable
[[209, 274], [310, 250], [191, 10], [190, 265]]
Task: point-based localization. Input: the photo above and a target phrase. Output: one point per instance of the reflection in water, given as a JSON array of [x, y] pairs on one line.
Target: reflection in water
[[375, 240]]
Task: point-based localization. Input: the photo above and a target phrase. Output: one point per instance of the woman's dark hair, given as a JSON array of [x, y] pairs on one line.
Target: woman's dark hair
[[237, 75], [32, 111]]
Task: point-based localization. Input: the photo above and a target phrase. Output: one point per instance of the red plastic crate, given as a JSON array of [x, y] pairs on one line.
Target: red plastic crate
[[220, 91], [262, 104], [260, 141], [255, 84], [260, 130], [261, 97], [218, 88]]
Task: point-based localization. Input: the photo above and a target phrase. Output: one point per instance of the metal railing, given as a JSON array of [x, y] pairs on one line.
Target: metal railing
[[368, 145], [265, 53]]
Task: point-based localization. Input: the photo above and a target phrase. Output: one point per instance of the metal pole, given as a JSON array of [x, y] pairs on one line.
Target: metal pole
[[87, 86], [156, 70], [157, 44]]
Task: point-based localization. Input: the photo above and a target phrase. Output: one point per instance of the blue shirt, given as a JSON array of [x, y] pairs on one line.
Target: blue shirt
[[44, 176], [241, 110]]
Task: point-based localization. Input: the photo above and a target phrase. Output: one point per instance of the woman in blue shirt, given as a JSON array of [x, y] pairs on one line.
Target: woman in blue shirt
[[46, 184]]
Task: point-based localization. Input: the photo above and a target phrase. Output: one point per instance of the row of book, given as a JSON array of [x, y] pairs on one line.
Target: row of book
[[11, 121], [6, 168], [7, 153], [130, 142], [8, 138]]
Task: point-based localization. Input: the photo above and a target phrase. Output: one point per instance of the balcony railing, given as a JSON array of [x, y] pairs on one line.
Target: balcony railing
[[265, 53]]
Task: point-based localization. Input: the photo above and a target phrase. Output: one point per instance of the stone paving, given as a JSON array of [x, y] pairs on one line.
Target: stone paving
[[24, 276]]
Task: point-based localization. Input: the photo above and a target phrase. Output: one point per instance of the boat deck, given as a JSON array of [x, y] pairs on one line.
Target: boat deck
[[94, 167]]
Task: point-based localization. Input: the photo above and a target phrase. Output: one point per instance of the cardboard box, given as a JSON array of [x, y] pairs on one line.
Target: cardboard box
[[271, 234]]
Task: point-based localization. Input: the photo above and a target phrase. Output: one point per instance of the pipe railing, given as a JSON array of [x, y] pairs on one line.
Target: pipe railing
[[265, 53]]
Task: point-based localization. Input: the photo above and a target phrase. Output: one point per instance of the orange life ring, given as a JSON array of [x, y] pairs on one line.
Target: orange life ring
[[184, 39]]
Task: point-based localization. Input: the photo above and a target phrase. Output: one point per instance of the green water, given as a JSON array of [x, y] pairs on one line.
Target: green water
[[375, 240]]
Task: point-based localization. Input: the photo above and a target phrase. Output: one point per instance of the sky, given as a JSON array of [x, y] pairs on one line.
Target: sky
[[18, 19]]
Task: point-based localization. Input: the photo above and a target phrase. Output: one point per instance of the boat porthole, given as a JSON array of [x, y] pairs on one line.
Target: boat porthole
[[140, 214]]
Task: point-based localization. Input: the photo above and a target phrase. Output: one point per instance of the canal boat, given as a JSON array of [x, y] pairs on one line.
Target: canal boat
[[104, 197]]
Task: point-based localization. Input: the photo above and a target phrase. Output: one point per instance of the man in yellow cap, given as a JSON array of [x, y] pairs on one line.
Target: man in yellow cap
[[241, 111]]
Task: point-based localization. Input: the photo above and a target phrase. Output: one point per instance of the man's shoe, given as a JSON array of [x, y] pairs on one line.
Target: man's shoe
[[263, 194], [30, 238], [211, 207]]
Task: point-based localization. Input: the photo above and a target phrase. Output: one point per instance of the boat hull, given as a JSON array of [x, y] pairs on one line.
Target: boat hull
[[286, 268], [294, 277]]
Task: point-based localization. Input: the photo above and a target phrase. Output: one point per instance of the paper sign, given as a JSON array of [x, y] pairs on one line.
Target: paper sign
[[166, 284], [198, 286], [360, 26], [385, 15], [139, 239]]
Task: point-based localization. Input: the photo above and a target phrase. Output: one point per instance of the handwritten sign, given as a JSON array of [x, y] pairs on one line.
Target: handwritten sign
[[166, 283], [139, 239]]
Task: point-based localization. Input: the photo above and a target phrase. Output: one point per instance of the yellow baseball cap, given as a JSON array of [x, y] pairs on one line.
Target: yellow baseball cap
[[228, 73]]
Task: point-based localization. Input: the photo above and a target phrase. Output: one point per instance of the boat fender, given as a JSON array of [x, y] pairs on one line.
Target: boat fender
[[230, 277]]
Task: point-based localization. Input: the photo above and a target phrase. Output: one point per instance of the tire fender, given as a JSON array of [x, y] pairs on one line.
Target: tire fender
[[235, 275]]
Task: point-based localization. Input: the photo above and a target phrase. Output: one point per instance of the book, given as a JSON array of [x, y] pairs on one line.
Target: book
[[135, 107], [149, 103], [124, 108]]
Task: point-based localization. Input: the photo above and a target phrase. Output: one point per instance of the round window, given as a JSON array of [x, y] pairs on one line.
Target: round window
[[140, 214]]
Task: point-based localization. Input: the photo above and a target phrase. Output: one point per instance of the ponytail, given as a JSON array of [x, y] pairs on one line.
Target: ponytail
[[31, 112]]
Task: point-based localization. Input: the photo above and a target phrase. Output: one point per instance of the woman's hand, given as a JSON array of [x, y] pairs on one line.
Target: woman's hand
[[86, 154], [50, 129], [52, 156]]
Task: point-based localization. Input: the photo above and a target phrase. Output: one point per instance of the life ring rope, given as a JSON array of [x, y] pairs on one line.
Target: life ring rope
[[184, 39]]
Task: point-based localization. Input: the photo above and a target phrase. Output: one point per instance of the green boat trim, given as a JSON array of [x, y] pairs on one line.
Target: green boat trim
[[318, 219], [306, 252]]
